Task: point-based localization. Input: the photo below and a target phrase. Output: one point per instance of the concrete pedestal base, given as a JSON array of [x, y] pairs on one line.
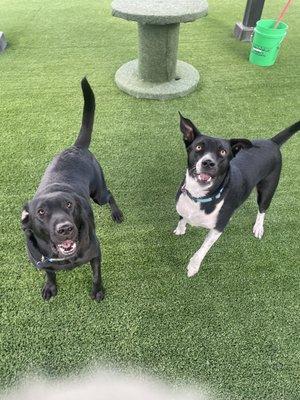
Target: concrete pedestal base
[[185, 81], [3, 42]]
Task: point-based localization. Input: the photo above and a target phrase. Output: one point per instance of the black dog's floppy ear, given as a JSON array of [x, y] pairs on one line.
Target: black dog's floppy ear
[[188, 129], [25, 217], [239, 144]]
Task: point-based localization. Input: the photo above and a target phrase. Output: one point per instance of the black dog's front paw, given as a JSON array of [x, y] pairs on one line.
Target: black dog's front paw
[[97, 295], [117, 216], [49, 290]]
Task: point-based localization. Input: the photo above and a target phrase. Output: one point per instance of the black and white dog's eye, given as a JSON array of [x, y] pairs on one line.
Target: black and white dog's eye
[[199, 147], [69, 204], [223, 152], [41, 211]]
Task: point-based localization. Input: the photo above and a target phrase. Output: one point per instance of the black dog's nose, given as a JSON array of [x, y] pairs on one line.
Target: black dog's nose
[[64, 228], [208, 163]]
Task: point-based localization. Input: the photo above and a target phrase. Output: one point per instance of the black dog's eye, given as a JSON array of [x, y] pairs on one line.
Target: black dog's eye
[[69, 204], [223, 152], [41, 211], [199, 147]]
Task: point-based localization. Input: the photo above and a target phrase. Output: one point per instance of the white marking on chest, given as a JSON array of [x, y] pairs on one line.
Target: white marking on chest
[[191, 211]]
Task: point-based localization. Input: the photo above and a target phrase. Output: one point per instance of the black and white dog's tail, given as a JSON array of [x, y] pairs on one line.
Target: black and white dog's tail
[[85, 133], [284, 135]]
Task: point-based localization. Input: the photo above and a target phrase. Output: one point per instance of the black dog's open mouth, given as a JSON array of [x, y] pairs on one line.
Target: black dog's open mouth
[[204, 177], [67, 248]]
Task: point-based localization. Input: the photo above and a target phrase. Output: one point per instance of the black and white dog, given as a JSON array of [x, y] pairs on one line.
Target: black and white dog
[[220, 176], [58, 222]]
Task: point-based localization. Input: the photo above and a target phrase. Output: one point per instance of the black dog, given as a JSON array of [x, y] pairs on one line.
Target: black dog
[[220, 176], [58, 222]]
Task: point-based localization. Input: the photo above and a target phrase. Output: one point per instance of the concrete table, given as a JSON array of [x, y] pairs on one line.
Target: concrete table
[[157, 74], [3, 42]]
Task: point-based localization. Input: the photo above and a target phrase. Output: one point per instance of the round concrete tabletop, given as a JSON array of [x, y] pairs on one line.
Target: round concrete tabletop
[[159, 12]]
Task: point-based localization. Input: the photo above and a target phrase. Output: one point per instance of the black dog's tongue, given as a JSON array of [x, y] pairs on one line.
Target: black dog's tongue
[[67, 244]]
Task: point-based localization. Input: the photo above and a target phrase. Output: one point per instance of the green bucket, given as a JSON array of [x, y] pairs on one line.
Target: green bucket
[[266, 42]]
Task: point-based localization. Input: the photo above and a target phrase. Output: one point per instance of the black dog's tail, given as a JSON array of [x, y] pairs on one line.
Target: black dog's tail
[[84, 137], [284, 135]]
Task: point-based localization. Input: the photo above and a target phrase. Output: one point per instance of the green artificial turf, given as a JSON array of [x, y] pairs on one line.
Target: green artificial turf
[[233, 327]]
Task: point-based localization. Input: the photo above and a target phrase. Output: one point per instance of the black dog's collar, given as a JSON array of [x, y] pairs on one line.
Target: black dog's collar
[[45, 262], [204, 199], [41, 262]]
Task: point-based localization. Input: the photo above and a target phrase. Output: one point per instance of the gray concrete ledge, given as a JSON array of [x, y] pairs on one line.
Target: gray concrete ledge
[[159, 12]]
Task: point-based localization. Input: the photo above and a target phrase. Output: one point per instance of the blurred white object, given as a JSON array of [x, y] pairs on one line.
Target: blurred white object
[[103, 386]]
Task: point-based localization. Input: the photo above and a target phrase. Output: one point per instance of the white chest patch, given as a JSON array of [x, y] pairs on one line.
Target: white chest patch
[[191, 211]]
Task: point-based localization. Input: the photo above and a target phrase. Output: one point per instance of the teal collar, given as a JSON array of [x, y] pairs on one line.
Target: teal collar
[[204, 199]]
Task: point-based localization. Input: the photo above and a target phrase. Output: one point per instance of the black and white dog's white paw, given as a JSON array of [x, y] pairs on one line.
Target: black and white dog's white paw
[[193, 266], [258, 231], [180, 230], [181, 227], [258, 228]]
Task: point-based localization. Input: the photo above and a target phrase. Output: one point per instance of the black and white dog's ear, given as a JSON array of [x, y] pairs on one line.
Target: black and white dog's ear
[[239, 144], [25, 217], [188, 129]]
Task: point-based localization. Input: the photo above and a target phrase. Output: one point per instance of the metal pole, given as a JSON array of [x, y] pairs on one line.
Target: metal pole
[[243, 30]]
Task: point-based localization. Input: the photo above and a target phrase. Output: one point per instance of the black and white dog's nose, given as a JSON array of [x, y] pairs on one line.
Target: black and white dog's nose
[[208, 163], [64, 228]]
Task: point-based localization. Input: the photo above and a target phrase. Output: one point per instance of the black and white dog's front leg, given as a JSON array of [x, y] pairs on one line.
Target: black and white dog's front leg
[[181, 227], [196, 260], [98, 290]]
